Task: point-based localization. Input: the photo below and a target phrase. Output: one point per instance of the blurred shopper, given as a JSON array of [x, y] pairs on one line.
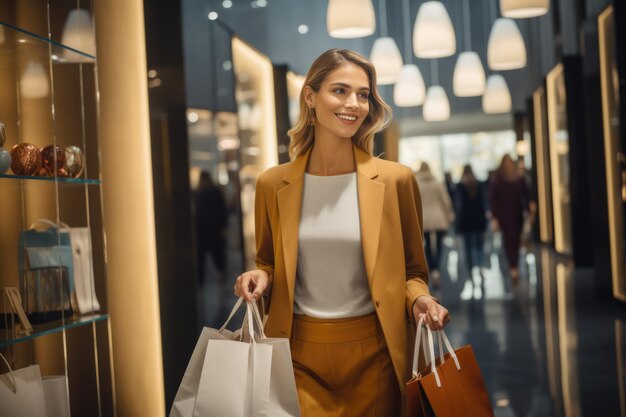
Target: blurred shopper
[[508, 199], [450, 185], [211, 223], [438, 216], [471, 219], [337, 264]]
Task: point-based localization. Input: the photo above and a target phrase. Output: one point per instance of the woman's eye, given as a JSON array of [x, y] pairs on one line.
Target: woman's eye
[[338, 90], [364, 96]]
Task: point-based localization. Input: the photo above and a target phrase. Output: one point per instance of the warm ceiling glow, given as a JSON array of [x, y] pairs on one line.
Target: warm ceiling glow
[[433, 33], [409, 89], [469, 76], [436, 105], [506, 49], [497, 98], [387, 60], [517, 9]]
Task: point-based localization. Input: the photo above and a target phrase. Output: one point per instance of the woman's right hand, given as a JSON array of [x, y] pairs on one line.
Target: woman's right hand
[[252, 284]]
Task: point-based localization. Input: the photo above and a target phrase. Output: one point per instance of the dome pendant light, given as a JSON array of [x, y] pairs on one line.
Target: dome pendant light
[[497, 98], [385, 53], [469, 76], [387, 60], [350, 18], [436, 104], [506, 49], [433, 33], [519, 9], [409, 89], [78, 34]]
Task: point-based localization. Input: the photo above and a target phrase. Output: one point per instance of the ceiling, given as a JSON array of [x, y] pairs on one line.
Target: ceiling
[[273, 30]]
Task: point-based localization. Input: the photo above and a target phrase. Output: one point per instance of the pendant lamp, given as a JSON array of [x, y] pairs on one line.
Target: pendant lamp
[[506, 49], [468, 79], [34, 82], [350, 18], [433, 34], [387, 59], [518, 9], [436, 105], [78, 34], [497, 98], [385, 53], [409, 89]]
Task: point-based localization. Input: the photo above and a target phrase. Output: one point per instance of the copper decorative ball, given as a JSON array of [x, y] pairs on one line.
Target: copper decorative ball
[[74, 161], [48, 159], [25, 159]]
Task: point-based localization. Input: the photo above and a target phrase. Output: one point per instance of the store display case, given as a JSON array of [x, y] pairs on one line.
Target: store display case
[[615, 161], [52, 246], [254, 93]]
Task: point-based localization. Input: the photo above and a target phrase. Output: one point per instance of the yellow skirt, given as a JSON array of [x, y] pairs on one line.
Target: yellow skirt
[[343, 368]]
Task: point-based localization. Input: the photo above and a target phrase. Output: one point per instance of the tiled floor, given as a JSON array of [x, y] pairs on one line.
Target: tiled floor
[[545, 348]]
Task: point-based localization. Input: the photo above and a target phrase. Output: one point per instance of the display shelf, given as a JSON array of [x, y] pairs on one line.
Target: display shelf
[[52, 179], [58, 49], [50, 328]]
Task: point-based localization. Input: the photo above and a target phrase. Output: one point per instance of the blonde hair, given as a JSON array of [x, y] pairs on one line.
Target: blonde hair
[[302, 135]]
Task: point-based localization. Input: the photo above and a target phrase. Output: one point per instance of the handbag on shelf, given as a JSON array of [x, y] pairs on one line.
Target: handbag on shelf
[[61, 246], [229, 376], [450, 386]]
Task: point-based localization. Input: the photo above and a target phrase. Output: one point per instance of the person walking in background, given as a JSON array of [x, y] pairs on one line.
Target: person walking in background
[[211, 223], [438, 216], [471, 219], [508, 198]]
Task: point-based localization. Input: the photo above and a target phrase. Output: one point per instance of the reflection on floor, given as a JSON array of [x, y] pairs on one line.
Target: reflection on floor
[[545, 348]]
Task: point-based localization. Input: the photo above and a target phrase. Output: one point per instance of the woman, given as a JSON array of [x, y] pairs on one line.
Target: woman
[[438, 216], [338, 265], [508, 198], [471, 219]]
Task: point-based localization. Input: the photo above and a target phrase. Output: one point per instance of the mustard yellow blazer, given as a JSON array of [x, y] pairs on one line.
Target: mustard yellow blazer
[[390, 212]]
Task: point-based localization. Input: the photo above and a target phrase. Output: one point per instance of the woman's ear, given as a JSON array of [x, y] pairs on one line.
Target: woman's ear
[[309, 96]]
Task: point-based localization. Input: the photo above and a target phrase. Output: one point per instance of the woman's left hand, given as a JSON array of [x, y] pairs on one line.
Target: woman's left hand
[[435, 314]]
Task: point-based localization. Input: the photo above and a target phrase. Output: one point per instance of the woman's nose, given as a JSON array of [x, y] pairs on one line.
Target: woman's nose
[[352, 102]]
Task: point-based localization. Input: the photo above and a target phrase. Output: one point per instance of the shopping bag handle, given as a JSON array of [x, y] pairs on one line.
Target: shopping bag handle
[[258, 319], [430, 350], [232, 314], [14, 387], [50, 223]]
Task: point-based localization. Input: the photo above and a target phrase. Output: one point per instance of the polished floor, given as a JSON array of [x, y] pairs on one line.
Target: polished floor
[[546, 348]]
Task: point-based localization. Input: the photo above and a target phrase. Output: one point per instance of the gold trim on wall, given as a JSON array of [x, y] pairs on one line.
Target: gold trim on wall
[[612, 149], [559, 163], [543, 173]]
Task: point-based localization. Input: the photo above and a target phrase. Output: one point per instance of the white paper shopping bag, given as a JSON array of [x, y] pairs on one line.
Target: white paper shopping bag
[[55, 395], [21, 393]]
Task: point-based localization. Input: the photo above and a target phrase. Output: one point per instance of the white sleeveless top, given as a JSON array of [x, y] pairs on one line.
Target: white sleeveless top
[[330, 280]]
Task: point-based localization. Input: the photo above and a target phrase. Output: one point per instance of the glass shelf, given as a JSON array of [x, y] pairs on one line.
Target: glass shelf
[[52, 179], [50, 328], [57, 47]]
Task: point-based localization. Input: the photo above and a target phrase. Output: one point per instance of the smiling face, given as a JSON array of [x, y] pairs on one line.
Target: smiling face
[[342, 102]]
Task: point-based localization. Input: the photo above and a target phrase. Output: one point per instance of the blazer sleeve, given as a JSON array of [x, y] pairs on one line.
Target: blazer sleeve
[[413, 239], [263, 231]]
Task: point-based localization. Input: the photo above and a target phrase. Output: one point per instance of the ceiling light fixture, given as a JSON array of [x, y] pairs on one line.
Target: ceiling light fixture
[[497, 98], [78, 34], [409, 90], [350, 18], [436, 104], [469, 76], [433, 33], [505, 49], [518, 9], [385, 54]]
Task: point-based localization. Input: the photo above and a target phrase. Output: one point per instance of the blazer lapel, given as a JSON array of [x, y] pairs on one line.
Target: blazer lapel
[[371, 198], [289, 208]]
